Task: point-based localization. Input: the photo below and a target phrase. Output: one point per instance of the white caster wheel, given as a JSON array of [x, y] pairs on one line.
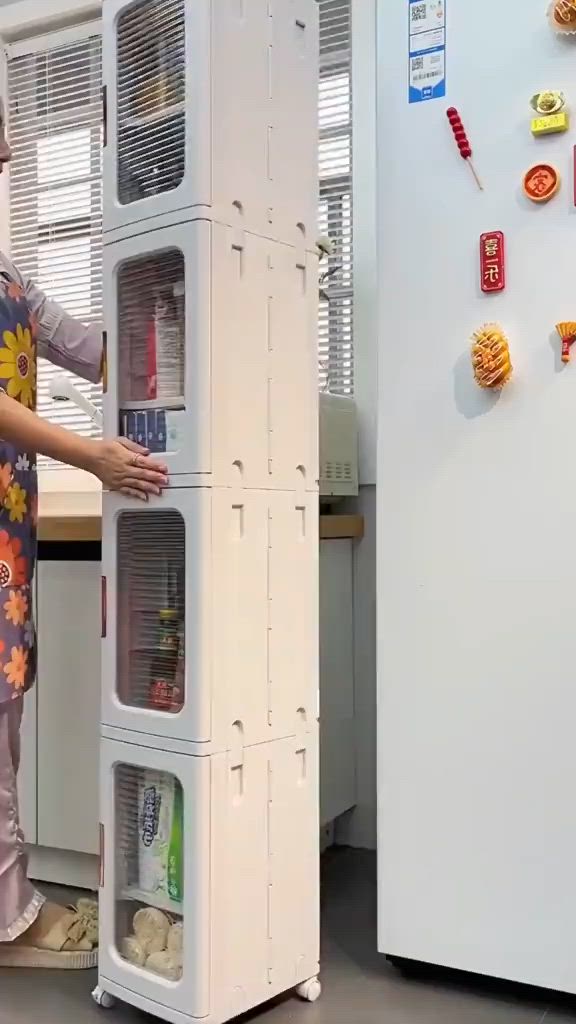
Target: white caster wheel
[[102, 998], [310, 990]]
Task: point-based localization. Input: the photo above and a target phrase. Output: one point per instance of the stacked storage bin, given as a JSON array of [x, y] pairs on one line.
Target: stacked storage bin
[[209, 902]]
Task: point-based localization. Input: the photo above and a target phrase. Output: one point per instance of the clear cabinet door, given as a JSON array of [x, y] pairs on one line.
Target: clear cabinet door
[[152, 326], [157, 298], [149, 870], [150, 102], [155, 664], [156, 71], [155, 875], [151, 610]]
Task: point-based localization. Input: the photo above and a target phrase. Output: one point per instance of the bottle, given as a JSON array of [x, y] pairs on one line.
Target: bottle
[[175, 866], [178, 697], [151, 374], [163, 666]]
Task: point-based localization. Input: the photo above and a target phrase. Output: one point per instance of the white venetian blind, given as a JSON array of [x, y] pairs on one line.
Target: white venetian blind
[[336, 353], [55, 130]]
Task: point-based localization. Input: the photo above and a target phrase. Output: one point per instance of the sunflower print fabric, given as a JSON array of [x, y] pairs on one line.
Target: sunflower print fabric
[[18, 365], [18, 500]]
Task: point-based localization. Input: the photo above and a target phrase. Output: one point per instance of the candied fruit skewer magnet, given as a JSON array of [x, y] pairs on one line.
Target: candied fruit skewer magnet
[[462, 142]]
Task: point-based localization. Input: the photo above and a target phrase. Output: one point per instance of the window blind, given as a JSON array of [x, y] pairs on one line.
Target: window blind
[[55, 130], [336, 352]]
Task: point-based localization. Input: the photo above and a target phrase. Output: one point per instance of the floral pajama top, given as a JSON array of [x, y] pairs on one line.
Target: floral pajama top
[[30, 326]]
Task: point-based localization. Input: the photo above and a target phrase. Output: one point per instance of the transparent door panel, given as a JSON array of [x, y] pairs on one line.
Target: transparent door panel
[[151, 610], [156, 566], [150, 99], [151, 326], [149, 870], [157, 297], [155, 874]]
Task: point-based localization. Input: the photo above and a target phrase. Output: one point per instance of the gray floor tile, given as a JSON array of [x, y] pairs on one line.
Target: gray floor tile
[[359, 986]]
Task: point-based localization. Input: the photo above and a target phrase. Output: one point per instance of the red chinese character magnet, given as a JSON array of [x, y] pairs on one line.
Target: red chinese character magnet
[[492, 262]]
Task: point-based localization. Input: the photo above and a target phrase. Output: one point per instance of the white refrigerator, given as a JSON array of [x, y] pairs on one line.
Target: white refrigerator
[[476, 559]]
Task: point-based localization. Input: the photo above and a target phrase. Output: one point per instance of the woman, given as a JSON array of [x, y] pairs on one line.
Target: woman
[[32, 931]]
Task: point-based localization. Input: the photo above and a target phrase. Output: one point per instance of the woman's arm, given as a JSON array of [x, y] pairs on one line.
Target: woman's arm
[[120, 465], [61, 338]]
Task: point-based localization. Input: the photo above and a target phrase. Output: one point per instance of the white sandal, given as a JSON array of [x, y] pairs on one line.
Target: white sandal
[[69, 944]]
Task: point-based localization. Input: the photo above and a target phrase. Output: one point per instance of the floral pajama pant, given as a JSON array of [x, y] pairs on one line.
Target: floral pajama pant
[[19, 902]]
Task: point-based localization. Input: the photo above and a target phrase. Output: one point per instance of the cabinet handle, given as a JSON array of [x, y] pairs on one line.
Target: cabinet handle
[[104, 115], [101, 866], [104, 608], [104, 361]]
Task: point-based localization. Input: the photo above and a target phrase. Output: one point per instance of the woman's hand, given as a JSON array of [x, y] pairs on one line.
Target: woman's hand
[[124, 466]]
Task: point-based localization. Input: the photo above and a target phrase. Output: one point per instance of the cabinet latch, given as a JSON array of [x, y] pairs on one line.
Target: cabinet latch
[[103, 611], [101, 868]]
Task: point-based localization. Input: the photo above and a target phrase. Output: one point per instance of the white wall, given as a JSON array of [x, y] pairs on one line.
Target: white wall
[[476, 560]]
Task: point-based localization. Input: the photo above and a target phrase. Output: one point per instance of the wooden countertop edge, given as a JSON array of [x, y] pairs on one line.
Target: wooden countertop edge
[[70, 528], [89, 528], [350, 527]]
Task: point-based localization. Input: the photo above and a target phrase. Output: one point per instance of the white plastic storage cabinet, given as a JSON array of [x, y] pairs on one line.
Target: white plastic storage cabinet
[[207, 107], [240, 911], [209, 731], [211, 616], [212, 355]]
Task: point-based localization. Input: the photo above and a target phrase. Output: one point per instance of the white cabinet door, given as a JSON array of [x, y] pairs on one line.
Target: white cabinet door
[[337, 747], [68, 701]]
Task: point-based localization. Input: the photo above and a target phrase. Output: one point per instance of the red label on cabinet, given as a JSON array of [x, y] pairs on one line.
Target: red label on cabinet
[[492, 264]]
